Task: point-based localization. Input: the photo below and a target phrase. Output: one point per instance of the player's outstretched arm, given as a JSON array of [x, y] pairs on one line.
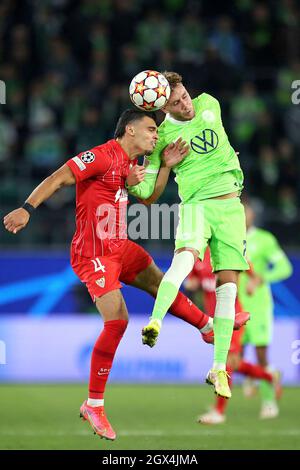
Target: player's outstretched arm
[[171, 155], [18, 218]]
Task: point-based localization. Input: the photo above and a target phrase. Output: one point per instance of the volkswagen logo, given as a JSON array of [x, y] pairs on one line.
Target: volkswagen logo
[[205, 142]]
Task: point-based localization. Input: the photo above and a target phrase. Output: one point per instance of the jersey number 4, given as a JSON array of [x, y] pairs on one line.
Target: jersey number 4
[[98, 265]]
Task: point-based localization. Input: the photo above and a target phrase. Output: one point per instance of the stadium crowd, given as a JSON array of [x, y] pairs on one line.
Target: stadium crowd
[[67, 66]]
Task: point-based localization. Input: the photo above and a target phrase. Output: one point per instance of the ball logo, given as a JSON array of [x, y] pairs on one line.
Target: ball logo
[[205, 142], [88, 157]]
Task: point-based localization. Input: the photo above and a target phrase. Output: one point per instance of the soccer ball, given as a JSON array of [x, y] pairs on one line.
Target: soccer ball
[[149, 90]]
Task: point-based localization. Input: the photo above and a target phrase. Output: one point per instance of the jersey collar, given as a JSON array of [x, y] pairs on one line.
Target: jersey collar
[[251, 230], [119, 147], [175, 121]]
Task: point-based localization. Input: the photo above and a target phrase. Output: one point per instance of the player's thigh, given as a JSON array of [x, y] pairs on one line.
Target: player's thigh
[[112, 306], [148, 279], [226, 276], [135, 260], [193, 231], [258, 330], [228, 241], [99, 274]]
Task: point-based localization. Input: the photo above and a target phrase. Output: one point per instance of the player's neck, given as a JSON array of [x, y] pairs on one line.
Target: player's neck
[[130, 149]]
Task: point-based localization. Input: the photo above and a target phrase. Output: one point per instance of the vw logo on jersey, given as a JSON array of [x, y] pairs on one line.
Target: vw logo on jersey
[[88, 157], [205, 142]]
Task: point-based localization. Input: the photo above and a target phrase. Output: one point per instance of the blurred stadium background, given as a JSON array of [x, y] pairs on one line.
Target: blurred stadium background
[[66, 66]]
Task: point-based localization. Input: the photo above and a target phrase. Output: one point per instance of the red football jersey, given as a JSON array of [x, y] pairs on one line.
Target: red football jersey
[[101, 199]]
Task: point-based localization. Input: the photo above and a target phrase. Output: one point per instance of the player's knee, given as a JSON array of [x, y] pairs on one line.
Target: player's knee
[[182, 265], [123, 323], [227, 291], [225, 277]]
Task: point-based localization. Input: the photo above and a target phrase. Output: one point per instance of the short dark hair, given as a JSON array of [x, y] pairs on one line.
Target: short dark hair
[[128, 116]]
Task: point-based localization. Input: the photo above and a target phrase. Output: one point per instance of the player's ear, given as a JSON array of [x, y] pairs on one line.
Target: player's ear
[[130, 129]]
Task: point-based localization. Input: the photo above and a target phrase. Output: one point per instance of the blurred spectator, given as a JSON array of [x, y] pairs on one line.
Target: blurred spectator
[[92, 131], [267, 177], [153, 34], [190, 39], [8, 137], [215, 76], [287, 202], [44, 149], [227, 42], [246, 108], [285, 77]]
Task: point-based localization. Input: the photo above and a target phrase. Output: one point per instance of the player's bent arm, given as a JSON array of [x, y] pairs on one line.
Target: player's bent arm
[[18, 219], [152, 163], [281, 268], [145, 189], [160, 184]]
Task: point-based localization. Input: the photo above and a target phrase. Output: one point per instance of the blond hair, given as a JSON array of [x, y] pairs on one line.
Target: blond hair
[[173, 78]]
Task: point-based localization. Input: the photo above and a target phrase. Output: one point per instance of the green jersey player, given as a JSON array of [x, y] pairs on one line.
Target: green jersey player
[[268, 264], [209, 182]]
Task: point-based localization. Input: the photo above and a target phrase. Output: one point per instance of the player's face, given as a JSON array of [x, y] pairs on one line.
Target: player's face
[[180, 104], [145, 135]]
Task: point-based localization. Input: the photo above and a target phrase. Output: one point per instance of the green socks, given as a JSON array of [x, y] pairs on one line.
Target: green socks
[[267, 391], [223, 328], [166, 295]]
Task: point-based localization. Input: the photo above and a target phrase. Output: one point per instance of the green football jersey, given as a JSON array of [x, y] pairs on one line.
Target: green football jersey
[[210, 169], [269, 262]]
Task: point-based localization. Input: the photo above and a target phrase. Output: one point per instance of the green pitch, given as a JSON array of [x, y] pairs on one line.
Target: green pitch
[[144, 417]]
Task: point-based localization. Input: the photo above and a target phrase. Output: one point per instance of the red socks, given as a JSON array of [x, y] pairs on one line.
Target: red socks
[[103, 355], [254, 371], [183, 308]]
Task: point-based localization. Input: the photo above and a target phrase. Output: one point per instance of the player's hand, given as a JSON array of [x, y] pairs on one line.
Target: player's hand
[[175, 152], [16, 220], [136, 175], [253, 283]]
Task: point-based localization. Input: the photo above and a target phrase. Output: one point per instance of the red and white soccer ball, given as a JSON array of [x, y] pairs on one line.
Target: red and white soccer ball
[[149, 90]]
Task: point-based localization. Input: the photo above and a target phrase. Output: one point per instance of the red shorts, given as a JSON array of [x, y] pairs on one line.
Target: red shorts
[[105, 273], [236, 341]]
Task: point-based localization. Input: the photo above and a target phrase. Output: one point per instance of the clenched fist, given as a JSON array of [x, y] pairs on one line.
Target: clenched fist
[[136, 175], [16, 220]]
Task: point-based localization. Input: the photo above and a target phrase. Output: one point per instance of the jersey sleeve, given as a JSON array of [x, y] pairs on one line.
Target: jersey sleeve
[[89, 164], [280, 267], [145, 189]]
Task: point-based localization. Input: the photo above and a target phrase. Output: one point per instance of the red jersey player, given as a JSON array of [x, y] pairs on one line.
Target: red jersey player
[[101, 254], [203, 278]]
